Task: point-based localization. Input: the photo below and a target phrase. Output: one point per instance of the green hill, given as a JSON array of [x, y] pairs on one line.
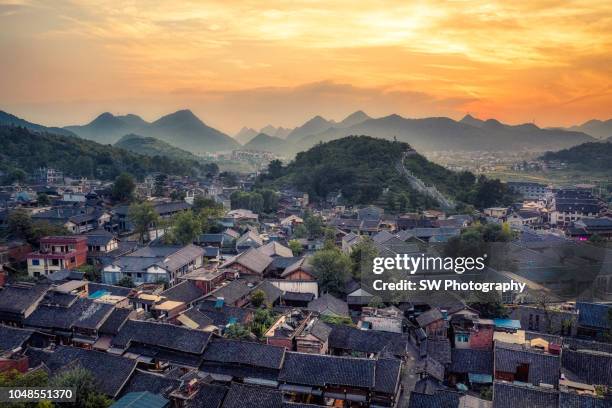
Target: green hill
[[150, 146], [368, 170], [584, 157], [25, 150]]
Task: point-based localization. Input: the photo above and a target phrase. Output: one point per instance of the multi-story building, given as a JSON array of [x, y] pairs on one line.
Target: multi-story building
[[57, 253], [529, 190], [570, 205]]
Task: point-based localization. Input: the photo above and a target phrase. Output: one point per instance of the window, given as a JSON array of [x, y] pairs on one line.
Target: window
[[35, 262], [462, 338], [537, 322], [139, 275]]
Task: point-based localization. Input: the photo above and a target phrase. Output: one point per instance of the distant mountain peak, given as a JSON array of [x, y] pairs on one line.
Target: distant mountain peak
[[471, 120], [354, 119]]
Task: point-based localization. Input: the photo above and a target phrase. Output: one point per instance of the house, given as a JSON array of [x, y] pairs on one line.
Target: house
[[101, 242], [571, 205], [586, 227], [214, 316], [314, 376], [274, 249], [248, 240], [299, 270], [154, 264], [529, 190], [160, 343], [433, 322], [57, 253], [250, 262], [519, 395], [242, 215], [243, 361], [284, 330], [234, 293], [211, 240], [347, 340], [313, 338], [472, 332], [389, 319], [470, 366], [329, 305], [186, 292], [110, 372], [516, 362], [19, 300], [593, 319]]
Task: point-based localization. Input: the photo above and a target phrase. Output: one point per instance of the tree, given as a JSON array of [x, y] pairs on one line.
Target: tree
[[362, 256], [262, 320], [126, 282], [237, 331], [142, 216], [123, 188], [275, 169], [332, 269], [258, 298], [209, 218], [160, 183], [200, 203], [85, 386], [295, 247], [13, 378], [313, 225], [270, 200], [376, 302], [488, 305], [186, 227], [597, 240], [300, 232], [43, 199], [20, 224]]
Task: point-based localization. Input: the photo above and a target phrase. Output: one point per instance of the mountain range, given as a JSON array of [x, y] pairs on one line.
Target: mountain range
[[6, 119], [181, 129], [267, 143], [439, 133], [150, 146], [597, 128]]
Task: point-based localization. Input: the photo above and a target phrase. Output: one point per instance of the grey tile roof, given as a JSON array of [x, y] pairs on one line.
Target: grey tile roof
[[152, 382], [12, 337], [590, 367], [243, 352], [110, 372], [163, 335], [274, 248], [386, 376], [439, 350], [220, 316], [441, 399], [186, 292], [17, 298], [571, 400], [301, 263], [322, 370], [328, 304], [112, 289], [507, 395], [580, 344], [241, 396], [208, 396], [366, 341], [272, 292], [543, 367], [115, 320], [428, 317], [472, 361], [231, 292], [251, 259], [83, 313]]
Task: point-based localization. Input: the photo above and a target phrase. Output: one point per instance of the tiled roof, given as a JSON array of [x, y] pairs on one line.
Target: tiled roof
[[593, 314], [439, 350], [12, 337], [112, 289], [366, 341], [590, 367], [543, 367], [571, 400], [472, 361], [220, 316], [17, 298], [243, 352], [275, 249], [241, 396], [115, 320], [386, 376], [110, 372], [231, 292], [441, 399], [301, 263], [186, 292], [251, 259], [163, 335], [428, 317], [142, 399], [507, 395], [271, 292], [322, 370], [327, 304], [152, 382], [208, 396], [83, 313]]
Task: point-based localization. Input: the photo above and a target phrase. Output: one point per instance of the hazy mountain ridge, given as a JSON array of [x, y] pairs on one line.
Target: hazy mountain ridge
[[245, 135], [599, 129], [150, 146], [7, 119], [267, 143], [441, 133], [585, 157], [181, 129]]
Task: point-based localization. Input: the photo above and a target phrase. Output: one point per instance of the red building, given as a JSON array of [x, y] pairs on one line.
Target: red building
[[57, 253]]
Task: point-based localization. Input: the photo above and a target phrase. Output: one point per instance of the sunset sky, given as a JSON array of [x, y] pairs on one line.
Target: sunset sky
[[251, 63]]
